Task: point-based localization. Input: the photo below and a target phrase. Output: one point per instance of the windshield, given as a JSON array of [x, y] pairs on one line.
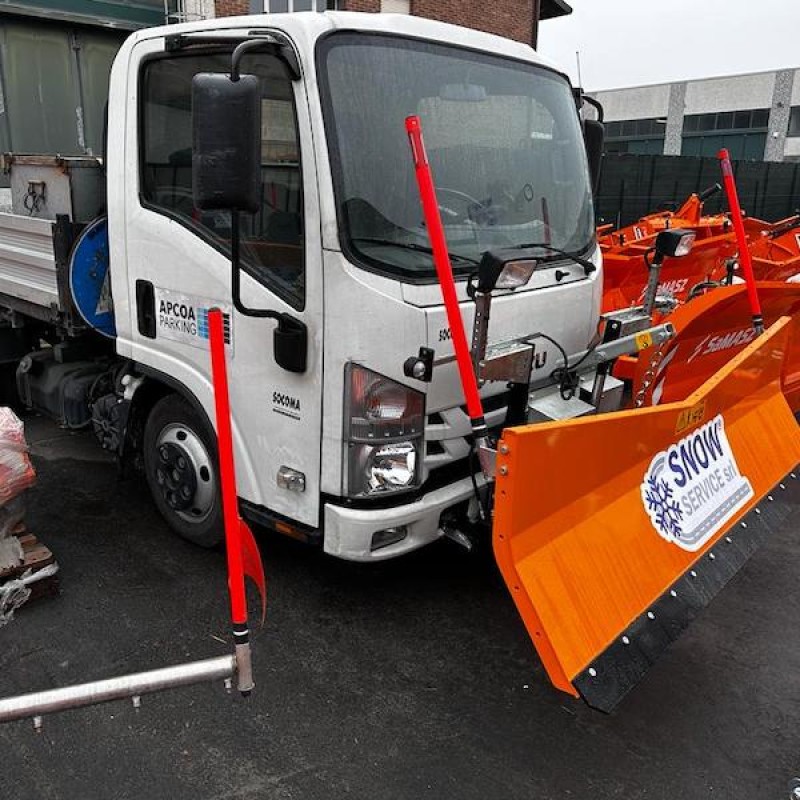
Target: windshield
[[503, 139]]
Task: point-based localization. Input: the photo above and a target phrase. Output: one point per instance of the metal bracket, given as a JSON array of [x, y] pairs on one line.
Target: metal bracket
[[625, 345], [509, 361], [487, 457]]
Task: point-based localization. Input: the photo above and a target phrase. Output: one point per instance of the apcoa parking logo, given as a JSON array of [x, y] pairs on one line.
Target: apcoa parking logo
[[694, 487], [184, 318]]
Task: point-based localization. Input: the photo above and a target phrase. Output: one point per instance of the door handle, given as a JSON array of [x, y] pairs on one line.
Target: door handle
[[146, 308]]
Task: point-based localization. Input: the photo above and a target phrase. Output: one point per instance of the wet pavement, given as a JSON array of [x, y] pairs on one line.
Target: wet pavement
[[410, 679]]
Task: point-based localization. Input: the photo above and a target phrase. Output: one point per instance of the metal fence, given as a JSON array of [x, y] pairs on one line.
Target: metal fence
[[632, 186]]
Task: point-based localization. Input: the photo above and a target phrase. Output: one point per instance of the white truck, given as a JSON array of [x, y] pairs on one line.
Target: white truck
[[343, 435]]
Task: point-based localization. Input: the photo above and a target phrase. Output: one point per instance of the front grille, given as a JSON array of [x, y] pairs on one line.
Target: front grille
[[448, 434]]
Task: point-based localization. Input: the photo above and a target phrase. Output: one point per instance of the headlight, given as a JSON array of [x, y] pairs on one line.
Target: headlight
[[386, 466], [384, 430]]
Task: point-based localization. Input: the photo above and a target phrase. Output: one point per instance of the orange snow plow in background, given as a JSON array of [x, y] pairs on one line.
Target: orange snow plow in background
[[775, 248], [610, 558], [624, 253]]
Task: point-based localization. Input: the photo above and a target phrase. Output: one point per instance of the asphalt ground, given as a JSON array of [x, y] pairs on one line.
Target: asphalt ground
[[410, 679]]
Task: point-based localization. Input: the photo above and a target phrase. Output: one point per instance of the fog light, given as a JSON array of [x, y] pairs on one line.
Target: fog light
[[389, 536]]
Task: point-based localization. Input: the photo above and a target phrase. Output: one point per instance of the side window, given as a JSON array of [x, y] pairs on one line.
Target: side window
[[272, 238]]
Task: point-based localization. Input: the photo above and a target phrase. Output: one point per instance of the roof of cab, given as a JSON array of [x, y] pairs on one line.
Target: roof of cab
[[305, 27]]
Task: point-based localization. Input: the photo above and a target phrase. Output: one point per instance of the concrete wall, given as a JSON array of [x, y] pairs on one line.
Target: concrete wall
[[642, 102], [737, 93]]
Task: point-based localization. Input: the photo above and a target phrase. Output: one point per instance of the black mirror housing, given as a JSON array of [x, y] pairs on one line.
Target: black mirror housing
[[226, 146], [290, 343]]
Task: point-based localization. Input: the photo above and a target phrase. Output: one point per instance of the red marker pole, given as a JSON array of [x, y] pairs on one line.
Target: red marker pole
[[741, 239], [230, 511], [444, 271]]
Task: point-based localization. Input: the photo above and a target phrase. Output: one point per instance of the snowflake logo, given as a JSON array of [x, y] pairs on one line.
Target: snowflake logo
[[668, 514]]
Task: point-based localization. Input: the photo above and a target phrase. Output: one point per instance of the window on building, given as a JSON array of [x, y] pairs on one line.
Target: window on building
[[756, 119], [635, 136], [794, 121], [272, 238], [706, 122], [760, 118], [282, 6], [725, 120]]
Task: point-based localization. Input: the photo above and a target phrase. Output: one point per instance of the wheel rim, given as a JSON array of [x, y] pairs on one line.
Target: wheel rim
[[184, 473]]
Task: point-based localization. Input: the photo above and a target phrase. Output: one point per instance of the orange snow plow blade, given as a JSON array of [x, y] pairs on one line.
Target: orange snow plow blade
[[613, 532]]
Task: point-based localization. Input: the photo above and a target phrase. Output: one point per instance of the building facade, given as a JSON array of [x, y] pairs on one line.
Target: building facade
[[514, 19], [55, 55], [755, 116]]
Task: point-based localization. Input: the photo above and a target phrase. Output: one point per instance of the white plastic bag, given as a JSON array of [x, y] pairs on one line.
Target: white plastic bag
[[16, 470]]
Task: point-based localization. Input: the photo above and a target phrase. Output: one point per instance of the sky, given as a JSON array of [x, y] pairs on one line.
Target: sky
[[638, 42]]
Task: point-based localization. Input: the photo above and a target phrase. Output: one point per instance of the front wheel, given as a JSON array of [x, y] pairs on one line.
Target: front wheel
[[180, 462]]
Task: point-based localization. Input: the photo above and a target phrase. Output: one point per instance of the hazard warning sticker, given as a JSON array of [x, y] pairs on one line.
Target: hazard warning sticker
[[692, 489]]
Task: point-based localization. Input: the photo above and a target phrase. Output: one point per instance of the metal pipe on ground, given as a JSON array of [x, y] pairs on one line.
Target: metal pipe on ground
[[36, 704]]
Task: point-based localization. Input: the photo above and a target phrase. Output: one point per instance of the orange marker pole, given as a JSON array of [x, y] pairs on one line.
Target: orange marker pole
[[444, 271], [230, 511], [741, 238]]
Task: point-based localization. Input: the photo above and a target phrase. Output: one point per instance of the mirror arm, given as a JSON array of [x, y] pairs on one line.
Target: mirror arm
[[596, 105], [282, 50], [290, 339], [240, 51], [236, 272]]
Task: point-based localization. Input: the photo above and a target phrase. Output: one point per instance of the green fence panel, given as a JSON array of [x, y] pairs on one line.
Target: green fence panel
[[127, 14], [634, 185]]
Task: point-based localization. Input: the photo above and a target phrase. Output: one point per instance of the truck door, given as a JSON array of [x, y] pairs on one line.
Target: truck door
[[178, 266]]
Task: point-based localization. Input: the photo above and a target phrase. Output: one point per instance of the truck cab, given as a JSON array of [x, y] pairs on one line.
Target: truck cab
[[345, 450]]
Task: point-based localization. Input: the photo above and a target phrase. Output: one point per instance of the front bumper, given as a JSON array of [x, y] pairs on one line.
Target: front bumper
[[348, 531]]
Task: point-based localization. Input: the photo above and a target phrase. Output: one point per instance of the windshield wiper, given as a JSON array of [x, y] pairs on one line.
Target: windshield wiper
[[417, 248], [587, 265]]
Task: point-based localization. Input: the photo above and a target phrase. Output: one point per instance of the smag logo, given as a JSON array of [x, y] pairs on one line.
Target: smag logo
[[694, 487], [672, 288], [725, 341]]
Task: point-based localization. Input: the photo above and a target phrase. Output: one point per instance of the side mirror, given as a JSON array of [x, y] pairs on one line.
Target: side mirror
[[594, 134], [226, 147], [290, 344], [226, 174]]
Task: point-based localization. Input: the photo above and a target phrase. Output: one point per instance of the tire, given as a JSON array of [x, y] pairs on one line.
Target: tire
[[180, 464]]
